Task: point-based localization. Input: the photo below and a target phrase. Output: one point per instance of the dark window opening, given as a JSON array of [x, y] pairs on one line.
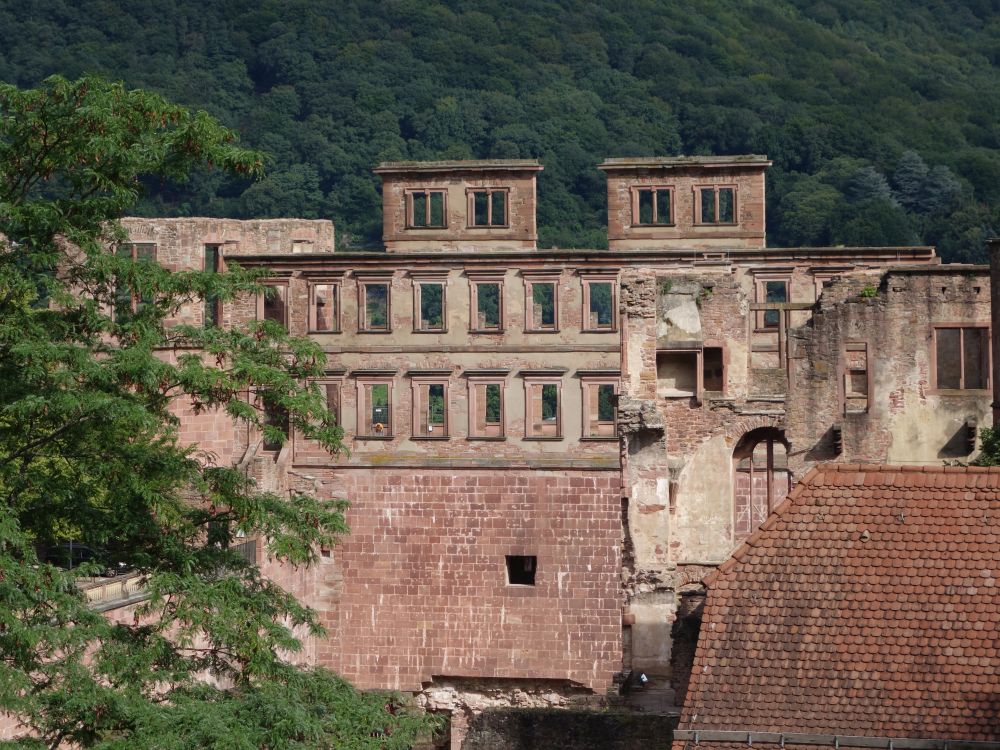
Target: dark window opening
[[213, 306], [488, 208], [427, 209], [712, 369], [718, 205], [774, 291], [521, 570], [654, 206], [376, 307], [606, 403], [378, 423], [543, 305], [550, 402], [275, 427], [494, 406]]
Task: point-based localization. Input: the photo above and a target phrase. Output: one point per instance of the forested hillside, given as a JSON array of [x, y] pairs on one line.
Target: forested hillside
[[882, 116]]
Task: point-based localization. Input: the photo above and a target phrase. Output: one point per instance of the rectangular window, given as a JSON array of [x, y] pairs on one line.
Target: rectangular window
[[773, 291], [332, 393], [521, 570], [275, 427], [716, 205], [600, 305], [213, 305], [431, 407], [274, 304], [488, 207], [653, 206], [430, 306], [543, 412], [324, 307], [426, 209], [713, 369], [486, 411], [375, 410], [487, 299], [600, 410], [374, 307], [129, 301], [962, 358], [542, 306]]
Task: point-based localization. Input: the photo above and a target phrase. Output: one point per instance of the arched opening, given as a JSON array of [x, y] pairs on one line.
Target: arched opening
[[762, 479]]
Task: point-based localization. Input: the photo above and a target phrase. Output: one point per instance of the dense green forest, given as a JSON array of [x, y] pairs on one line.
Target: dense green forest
[[882, 117]]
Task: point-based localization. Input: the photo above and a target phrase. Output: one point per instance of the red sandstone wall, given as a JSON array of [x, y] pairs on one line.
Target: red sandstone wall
[[424, 589]]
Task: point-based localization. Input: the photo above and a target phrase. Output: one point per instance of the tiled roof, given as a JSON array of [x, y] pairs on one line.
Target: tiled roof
[[867, 604]]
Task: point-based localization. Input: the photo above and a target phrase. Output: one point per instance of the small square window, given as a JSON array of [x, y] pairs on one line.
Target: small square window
[[599, 297], [488, 207], [521, 570], [324, 307], [542, 306], [374, 308], [430, 305], [426, 209]]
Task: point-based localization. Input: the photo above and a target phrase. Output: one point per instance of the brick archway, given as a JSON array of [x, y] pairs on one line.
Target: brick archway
[[737, 428]]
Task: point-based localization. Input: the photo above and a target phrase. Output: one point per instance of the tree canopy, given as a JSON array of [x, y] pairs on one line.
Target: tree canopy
[[89, 450], [847, 98]]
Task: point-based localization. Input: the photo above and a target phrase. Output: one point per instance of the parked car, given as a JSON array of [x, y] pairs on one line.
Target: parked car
[[70, 555]]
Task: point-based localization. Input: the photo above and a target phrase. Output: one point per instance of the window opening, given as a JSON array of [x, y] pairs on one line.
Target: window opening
[[433, 410], [962, 358], [762, 479], [654, 206], [488, 208], [601, 304], [427, 209], [275, 426], [600, 410], [774, 291], [486, 413], [213, 305], [431, 296], [543, 305], [488, 310], [275, 307], [543, 418], [713, 378], [127, 301], [521, 570], [856, 378], [332, 393], [718, 205], [376, 307], [324, 307]]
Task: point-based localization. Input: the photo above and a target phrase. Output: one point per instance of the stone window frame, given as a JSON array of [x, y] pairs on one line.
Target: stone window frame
[[540, 277], [418, 379], [311, 315], [988, 386], [485, 277], [541, 378], [277, 284], [426, 191], [634, 191], [590, 380], [716, 187], [483, 378], [334, 380], [419, 279], [364, 280], [212, 304], [855, 346], [760, 281], [471, 207], [599, 277], [713, 344], [363, 381], [135, 301]]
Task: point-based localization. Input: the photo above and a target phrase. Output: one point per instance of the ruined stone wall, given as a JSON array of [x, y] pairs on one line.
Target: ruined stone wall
[[908, 419], [422, 584]]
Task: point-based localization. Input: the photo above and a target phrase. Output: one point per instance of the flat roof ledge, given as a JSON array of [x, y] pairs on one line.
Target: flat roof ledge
[[460, 165], [678, 162]]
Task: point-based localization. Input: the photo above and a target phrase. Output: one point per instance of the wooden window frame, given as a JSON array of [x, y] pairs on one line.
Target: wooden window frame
[[411, 192], [529, 302], [418, 282], [363, 407], [338, 286], [636, 189], [935, 388], [281, 284], [470, 199], [586, 327], [587, 382], [416, 384], [530, 381], [715, 191], [474, 382], [363, 284]]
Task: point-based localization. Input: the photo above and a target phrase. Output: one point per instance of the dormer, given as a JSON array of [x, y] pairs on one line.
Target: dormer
[[459, 205], [700, 202]]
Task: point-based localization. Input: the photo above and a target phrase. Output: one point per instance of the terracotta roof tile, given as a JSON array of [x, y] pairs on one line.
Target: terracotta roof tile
[[869, 603]]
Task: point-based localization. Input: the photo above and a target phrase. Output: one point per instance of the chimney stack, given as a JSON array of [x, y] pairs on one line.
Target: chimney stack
[[993, 246]]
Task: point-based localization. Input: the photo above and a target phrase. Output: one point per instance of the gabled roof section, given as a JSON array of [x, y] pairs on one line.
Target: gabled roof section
[[867, 604]]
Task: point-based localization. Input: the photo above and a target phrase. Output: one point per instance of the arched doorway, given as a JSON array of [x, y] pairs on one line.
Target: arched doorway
[[761, 478]]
